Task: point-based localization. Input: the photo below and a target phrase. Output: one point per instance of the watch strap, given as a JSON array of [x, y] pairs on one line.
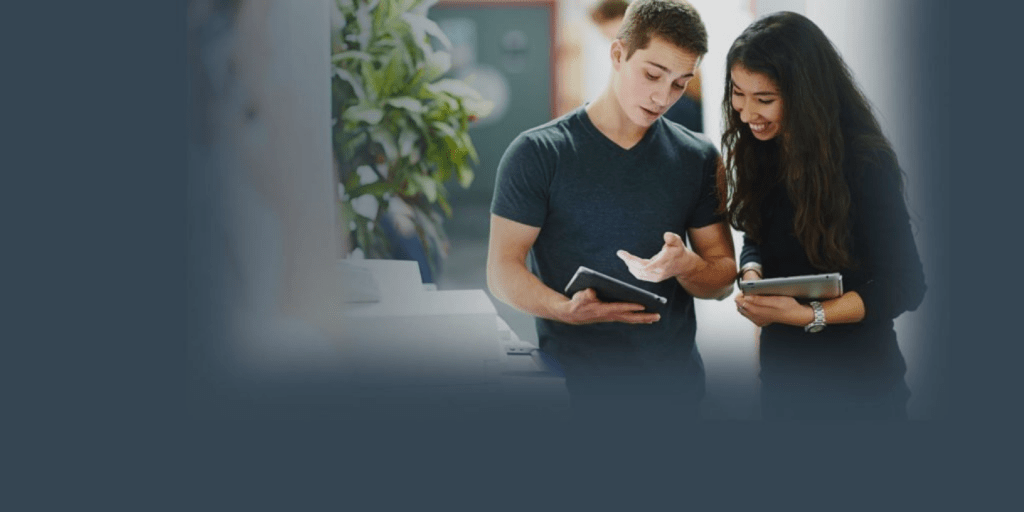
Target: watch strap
[[819, 318]]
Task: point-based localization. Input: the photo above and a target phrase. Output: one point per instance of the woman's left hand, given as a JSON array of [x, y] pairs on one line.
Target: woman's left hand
[[765, 310]]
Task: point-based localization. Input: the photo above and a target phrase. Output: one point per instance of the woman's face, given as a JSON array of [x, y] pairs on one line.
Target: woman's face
[[758, 101]]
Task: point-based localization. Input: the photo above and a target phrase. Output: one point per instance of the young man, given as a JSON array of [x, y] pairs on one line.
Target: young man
[[607, 16], [598, 186]]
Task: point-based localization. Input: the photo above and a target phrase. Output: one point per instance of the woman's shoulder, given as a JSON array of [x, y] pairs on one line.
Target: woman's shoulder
[[874, 165], [875, 180]]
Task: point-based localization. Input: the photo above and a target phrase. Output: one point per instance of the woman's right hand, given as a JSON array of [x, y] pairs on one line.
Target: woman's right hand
[[750, 275]]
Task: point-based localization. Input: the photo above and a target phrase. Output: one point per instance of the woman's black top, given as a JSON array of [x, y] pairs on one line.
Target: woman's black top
[[862, 358]]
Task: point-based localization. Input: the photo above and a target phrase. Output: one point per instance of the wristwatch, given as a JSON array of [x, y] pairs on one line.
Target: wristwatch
[[752, 265], [819, 318]]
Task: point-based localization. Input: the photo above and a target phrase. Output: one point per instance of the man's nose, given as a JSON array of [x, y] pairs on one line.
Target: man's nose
[[660, 97]]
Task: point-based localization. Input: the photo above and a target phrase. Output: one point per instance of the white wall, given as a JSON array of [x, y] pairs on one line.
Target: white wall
[[724, 21]]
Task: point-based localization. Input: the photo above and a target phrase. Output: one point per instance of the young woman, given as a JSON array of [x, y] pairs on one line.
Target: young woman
[[816, 188]]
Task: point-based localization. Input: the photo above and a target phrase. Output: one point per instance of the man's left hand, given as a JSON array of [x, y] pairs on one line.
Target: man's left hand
[[674, 259]]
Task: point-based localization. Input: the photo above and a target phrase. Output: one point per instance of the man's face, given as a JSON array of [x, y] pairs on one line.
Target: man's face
[[652, 79]]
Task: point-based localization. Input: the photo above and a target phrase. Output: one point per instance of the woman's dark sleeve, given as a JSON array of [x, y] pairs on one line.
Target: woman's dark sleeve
[[883, 234], [750, 253]]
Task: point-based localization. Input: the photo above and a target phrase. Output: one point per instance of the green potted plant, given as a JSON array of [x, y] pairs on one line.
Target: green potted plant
[[400, 127]]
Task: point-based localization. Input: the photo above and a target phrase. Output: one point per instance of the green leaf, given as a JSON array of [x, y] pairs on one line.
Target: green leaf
[[465, 173], [351, 183], [356, 83], [478, 107], [407, 103], [456, 150], [365, 113], [412, 187], [405, 5], [392, 76], [445, 207], [416, 79], [375, 189], [422, 7], [387, 140], [352, 54], [421, 125], [381, 15], [467, 143], [373, 80], [347, 214], [353, 145], [443, 173], [387, 43], [422, 26], [454, 87], [445, 129], [428, 185], [438, 63], [365, 20], [407, 142]]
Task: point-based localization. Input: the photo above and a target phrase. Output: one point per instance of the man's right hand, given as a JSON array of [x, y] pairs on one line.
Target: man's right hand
[[584, 308]]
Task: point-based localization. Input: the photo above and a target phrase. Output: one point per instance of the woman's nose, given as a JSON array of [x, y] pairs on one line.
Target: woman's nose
[[743, 113], [746, 114]]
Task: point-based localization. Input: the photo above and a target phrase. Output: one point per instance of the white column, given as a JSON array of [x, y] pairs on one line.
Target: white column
[[268, 141]]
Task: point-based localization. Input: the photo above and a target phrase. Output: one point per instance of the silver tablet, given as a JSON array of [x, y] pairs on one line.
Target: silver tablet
[[819, 286]]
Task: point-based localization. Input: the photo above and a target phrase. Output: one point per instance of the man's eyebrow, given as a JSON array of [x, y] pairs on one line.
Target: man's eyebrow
[[663, 68]]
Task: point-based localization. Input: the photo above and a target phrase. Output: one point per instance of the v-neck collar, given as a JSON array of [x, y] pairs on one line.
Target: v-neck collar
[[612, 145]]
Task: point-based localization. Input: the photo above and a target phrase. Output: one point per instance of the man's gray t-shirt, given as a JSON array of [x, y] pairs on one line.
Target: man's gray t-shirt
[[590, 197]]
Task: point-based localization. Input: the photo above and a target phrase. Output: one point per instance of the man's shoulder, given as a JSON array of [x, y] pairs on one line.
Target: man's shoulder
[[542, 147], [559, 130], [689, 140]]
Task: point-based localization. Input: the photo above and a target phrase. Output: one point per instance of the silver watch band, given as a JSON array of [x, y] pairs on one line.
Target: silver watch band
[[819, 318], [751, 265]]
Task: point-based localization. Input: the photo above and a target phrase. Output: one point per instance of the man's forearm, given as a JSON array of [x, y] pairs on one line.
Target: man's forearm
[[711, 280], [516, 286]]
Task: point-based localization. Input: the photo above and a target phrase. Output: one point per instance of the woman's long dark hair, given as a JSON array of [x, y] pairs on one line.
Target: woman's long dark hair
[[827, 124]]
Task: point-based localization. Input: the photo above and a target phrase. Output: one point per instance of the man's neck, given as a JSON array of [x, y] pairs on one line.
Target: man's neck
[[609, 118]]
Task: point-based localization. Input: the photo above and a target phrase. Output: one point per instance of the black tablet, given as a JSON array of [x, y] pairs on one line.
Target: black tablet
[[609, 289], [814, 287]]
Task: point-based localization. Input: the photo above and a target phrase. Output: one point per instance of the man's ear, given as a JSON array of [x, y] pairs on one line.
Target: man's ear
[[618, 53]]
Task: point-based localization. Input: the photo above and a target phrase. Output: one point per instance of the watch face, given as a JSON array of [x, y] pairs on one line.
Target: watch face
[[815, 328]]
